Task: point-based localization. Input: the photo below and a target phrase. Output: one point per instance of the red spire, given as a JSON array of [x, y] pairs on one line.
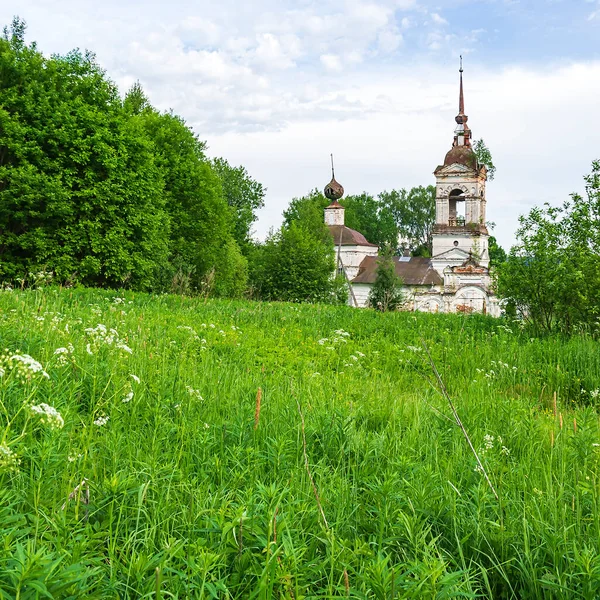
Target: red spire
[[461, 99], [462, 134]]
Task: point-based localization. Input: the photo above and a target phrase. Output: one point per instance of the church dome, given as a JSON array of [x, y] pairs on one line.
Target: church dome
[[333, 190], [462, 155]]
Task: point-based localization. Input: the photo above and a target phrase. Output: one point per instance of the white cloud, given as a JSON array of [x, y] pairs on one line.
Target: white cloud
[[389, 40], [276, 85], [331, 62], [438, 20]]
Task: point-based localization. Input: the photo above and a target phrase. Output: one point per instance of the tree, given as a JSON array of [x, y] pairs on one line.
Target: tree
[[552, 274], [80, 191], [414, 214], [372, 218], [386, 293], [484, 157], [308, 212], [496, 252], [243, 194], [201, 241], [295, 265]]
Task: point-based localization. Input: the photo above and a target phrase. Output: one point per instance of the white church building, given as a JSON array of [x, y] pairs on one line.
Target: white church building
[[456, 278]]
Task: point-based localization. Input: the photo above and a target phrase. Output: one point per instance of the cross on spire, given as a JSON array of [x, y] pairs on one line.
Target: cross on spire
[[462, 133], [461, 99]]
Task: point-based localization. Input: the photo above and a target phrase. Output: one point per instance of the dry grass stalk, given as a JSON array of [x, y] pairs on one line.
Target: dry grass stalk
[[346, 583], [257, 408], [560, 419], [82, 487], [446, 395], [552, 438], [574, 425], [312, 481], [554, 404]]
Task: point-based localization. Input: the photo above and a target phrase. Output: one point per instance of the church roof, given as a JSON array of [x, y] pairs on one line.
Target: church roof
[[349, 237], [462, 155], [415, 271]]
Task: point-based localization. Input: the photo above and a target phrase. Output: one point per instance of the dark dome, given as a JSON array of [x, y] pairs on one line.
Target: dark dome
[[462, 155], [333, 190]]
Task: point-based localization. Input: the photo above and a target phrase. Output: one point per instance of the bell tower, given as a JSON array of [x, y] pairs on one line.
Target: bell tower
[[460, 232]]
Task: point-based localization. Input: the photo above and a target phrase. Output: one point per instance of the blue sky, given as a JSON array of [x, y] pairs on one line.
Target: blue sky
[[278, 85]]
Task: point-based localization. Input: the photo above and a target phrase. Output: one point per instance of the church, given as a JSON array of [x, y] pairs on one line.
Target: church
[[456, 278]]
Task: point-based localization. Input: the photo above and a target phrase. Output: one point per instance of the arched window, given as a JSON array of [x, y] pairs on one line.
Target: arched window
[[456, 212]]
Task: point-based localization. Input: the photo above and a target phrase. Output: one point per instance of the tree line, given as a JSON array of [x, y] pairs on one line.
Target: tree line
[[105, 191], [108, 191]]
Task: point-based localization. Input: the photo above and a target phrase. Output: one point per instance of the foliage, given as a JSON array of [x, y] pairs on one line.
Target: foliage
[[243, 194], [107, 192], [201, 239], [80, 191], [484, 157], [382, 220], [386, 292], [497, 253], [414, 214], [552, 274], [307, 211], [295, 265], [373, 218], [183, 492]]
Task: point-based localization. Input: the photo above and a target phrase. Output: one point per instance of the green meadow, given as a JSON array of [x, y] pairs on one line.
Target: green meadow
[[172, 447]]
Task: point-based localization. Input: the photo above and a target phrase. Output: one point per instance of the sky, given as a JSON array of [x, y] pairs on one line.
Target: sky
[[278, 85]]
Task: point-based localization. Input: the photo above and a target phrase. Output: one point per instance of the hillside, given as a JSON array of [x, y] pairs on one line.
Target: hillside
[[159, 474]]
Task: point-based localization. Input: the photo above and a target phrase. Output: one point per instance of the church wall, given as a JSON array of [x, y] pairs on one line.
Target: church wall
[[352, 256], [334, 216], [361, 293]]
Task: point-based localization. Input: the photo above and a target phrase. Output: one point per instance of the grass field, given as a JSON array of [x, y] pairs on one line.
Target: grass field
[[138, 463]]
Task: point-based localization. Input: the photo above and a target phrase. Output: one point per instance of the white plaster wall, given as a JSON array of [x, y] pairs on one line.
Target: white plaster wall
[[334, 216], [352, 256], [361, 293], [444, 242]]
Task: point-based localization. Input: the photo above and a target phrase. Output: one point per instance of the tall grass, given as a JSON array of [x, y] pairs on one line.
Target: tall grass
[[207, 478]]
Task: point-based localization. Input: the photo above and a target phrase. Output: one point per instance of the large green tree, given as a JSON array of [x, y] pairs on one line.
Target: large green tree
[[201, 241], [386, 292], [243, 194], [413, 211], [552, 275], [80, 191], [295, 265]]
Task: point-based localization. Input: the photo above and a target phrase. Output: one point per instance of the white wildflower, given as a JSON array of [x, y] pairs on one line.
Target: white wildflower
[[9, 461], [488, 441], [505, 451], [73, 457], [194, 393], [353, 357], [88, 349], [128, 397], [22, 365], [206, 425], [341, 332], [322, 341], [48, 415], [134, 377], [101, 421]]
